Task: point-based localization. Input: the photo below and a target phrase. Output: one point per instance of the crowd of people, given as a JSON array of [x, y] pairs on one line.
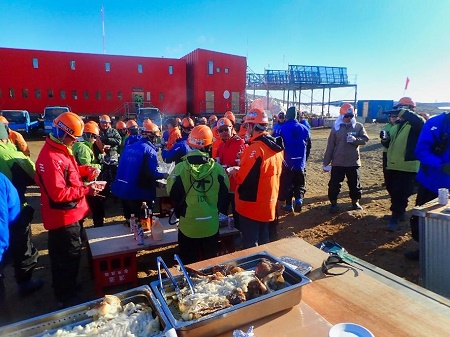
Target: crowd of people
[[245, 170]]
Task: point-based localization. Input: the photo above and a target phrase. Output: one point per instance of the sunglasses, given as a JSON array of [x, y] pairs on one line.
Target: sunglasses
[[225, 129], [335, 261]]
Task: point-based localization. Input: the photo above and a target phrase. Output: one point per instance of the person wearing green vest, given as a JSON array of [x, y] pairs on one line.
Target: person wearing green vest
[[384, 137], [20, 170], [199, 189], [84, 155], [402, 163]]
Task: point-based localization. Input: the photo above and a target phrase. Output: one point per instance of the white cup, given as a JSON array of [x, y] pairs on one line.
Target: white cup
[[443, 196]]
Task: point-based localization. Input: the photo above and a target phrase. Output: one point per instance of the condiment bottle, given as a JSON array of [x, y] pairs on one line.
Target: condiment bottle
[[133, 227], [144, 217], [140, 235]]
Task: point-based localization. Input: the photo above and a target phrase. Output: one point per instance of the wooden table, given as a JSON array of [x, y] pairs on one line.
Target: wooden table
[[385, 304], [113, 249]]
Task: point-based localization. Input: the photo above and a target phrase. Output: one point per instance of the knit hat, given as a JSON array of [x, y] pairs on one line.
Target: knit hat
[[3, 132], [290, 113]]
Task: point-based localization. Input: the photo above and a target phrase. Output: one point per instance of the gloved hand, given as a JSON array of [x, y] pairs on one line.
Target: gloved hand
[[326, 168], [350, 138], [446, 168], [384, 134]]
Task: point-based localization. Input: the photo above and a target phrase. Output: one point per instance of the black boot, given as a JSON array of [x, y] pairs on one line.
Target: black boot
[[334, 208], [356, 206]]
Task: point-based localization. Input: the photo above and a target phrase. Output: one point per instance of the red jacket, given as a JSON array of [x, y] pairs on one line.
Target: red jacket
[[258, 178], [228, 153], [57, 170]]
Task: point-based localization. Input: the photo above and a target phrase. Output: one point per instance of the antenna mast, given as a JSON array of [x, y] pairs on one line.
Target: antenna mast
[[103, 29]]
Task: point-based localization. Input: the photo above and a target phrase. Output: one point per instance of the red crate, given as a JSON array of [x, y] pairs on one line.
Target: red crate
[[114, 270]]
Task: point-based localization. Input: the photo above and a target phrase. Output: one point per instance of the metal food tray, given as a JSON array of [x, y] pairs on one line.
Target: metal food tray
[[76, 315], [239, 314]]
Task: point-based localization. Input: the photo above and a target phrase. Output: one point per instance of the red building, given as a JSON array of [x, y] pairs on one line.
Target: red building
[[216, 82], [91, 84]]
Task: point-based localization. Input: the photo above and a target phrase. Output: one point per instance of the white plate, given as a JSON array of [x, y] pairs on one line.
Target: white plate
[[349, 330]]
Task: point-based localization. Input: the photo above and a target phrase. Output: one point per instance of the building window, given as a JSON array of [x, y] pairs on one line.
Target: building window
[[120, 95], [35, 63], [50, 93], [72, 65], [140, 68], [25, 93], [108, 95], [161, 97], [148, 96], [107, 66], [74, 95], [170, 70], [37, 93], [62, 94], [226, 70], [210, 67], [86, 95], [11, 93], [97, 95], [217, 70]]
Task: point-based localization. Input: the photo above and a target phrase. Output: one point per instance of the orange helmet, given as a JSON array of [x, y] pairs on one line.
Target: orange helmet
[[346, 108], [224, 121], [187, 123], [131, 124], [70, 123], [212, 119], [91, 127], [230, 116], [4, 120], [147, 121], [121, 125], [105, 118], [150, 127], [406, 101], [257, 116], [200, 137]]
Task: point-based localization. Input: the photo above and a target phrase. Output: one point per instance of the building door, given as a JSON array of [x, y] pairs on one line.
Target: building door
[[235, 102], [209, 100], [137, 97]]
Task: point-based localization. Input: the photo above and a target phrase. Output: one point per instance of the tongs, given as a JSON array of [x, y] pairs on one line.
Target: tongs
[[160, 261]]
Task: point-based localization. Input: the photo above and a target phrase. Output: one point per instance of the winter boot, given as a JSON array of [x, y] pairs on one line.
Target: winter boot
[[298, 205], [334, 208], [356, 206]]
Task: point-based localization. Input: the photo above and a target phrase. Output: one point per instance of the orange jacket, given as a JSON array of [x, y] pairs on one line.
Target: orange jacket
[[174, 135], [20, 143], [258, 179]]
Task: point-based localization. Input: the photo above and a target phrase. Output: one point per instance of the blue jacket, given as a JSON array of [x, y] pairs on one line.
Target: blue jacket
[[296, 139], [430, 174], [178, 151], [135, 157], [9, 211], [276, 129], [131, 139]]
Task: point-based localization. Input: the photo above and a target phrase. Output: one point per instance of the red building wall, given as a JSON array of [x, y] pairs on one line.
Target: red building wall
[[167, 91], [200, 81]]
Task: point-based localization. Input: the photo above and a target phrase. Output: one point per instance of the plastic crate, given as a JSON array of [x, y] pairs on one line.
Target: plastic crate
[[114, 270]]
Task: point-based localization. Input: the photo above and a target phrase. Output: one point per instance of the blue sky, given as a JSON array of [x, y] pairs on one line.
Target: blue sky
[[380, 42]]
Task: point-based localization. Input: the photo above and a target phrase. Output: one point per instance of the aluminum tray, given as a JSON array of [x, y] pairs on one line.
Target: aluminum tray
[[236, 315], [76, 315]]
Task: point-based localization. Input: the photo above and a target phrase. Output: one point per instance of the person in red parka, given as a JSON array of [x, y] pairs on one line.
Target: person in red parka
[[228, 155], [63, 203]]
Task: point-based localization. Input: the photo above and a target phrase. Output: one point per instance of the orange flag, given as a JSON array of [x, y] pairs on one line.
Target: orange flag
[[407, 82]]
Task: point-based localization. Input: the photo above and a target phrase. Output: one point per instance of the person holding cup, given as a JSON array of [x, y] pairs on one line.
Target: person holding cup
[[342, 153]]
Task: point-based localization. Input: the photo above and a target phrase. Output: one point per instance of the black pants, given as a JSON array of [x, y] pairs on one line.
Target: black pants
[[96, 204], [292, 185], [24, 254], [197, 249], [338, 174], [423, 196], [64, 249], [400, 186], [384, 166], [134, 207]]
